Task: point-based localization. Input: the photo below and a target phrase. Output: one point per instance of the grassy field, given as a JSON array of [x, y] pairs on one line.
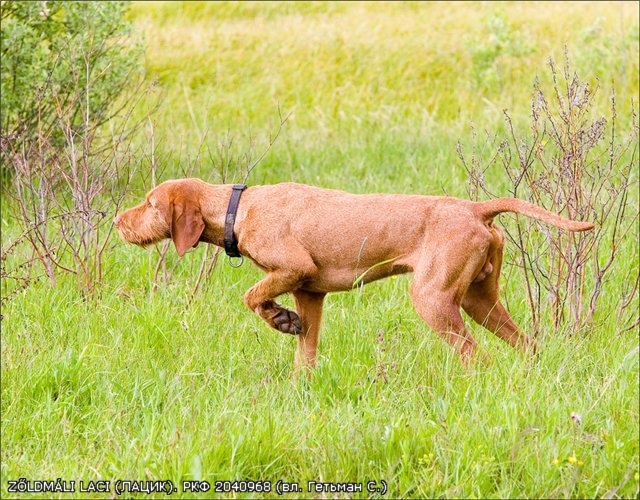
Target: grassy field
[[143, 384]]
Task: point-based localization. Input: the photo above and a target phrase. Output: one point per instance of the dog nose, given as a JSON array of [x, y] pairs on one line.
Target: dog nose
[[116, 220]]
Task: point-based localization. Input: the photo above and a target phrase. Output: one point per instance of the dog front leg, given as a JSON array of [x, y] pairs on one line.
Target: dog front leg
[[309, 307], [260, 298]]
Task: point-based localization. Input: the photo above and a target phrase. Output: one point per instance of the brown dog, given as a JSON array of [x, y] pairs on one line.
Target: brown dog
[[311, 241]]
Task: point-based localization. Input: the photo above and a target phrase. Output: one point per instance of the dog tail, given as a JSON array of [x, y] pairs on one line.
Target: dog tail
[[489, 209]]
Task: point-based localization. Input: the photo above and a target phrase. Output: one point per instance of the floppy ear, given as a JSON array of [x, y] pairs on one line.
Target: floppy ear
[[187, 225]]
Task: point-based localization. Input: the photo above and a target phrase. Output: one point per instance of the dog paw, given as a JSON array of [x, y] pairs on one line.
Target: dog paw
[[287, 321]]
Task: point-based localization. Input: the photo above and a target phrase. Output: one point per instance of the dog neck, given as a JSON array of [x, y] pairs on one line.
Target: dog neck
[[214, 205]]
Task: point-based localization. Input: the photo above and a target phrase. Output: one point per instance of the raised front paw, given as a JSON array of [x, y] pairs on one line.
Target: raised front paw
[[287, 321]]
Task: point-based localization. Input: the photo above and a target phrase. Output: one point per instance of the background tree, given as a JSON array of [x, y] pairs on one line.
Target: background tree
[[76, 56], [72, 73]]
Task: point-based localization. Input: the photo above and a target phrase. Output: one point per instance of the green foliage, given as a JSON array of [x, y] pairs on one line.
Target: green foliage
[[71, 57], [605, 50], [490, 52]]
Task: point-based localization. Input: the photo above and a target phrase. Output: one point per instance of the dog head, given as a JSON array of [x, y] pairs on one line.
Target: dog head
[[171, 210]]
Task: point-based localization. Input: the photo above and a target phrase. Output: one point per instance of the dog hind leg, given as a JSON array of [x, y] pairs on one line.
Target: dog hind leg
[[441, 312], [482, 303], [441, 280]]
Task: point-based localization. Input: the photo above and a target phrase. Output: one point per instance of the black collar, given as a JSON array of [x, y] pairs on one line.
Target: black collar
[[230, 241]]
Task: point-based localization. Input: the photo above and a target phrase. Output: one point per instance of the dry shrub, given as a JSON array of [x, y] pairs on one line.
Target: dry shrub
[[578, 164], [70, 164]]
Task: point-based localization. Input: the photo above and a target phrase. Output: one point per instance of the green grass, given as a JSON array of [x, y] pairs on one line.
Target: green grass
[[143, 385]]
